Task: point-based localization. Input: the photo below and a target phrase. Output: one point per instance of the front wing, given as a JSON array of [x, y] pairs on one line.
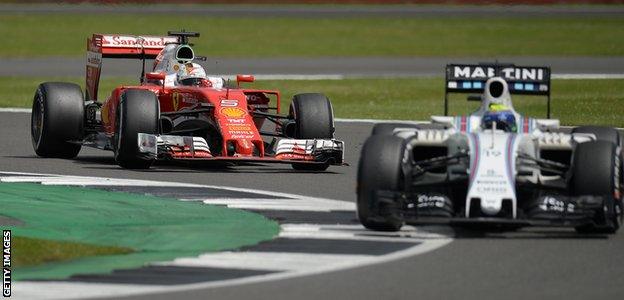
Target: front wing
[[545, 211], [312, 151]]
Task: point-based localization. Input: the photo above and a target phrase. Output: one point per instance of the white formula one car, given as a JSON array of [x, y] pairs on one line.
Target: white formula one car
[[494, 167]]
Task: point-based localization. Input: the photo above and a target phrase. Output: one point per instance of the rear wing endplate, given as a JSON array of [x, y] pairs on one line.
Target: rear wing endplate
[[522, 80], [101, 46]]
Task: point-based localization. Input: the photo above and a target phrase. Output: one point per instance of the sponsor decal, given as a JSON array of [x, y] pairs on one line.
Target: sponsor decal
[[511, 73], [236, 121], [233, 112], [175, 100], [6, 263], [189, 68], [94, 59], [242, 136], [178, 97], [131, 41], [430, 201], [550, 203], [229, 102], [238, 125]]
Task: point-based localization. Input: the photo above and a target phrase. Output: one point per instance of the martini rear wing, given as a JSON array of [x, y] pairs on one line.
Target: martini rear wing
[[101, 46], [522, 80]]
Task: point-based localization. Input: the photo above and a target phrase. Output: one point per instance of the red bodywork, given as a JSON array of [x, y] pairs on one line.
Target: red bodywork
[[231, 111], [231, 107]]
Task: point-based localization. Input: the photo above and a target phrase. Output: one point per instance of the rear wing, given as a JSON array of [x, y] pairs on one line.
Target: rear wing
[[101, 46], [522, 80]]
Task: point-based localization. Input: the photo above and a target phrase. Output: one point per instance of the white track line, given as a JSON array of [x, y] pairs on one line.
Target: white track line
[[283, 204], [269, 261], [302, 264], [358, 232], [15, 110]]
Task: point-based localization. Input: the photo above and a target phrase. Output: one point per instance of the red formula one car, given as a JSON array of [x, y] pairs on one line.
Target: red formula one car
[[179, 113]]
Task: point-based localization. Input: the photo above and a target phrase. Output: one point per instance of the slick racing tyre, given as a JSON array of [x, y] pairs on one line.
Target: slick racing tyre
[[602, 133], [388, 128], [138, 112], [314, 119], [380, 168], [594, 174], [606, 134], [57, 120]]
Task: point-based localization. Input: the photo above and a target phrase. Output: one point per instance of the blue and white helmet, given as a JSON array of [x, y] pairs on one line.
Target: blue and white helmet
[[505, 120]]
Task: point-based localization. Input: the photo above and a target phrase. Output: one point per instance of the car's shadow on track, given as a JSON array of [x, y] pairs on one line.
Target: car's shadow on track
[[105, 162], [526, 233]]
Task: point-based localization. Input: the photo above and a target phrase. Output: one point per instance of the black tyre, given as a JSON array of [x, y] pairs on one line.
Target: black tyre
[[388, 128], [593, 167], [314, 119], [380, 168], [138, 112], [602, 133], [57, 120], [609, 134]]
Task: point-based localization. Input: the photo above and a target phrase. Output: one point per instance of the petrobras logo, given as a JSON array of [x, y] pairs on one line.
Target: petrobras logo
[[124, 41]]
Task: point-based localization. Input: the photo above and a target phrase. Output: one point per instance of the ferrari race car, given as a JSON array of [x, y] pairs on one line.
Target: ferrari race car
[[493, 168], [179, 113]]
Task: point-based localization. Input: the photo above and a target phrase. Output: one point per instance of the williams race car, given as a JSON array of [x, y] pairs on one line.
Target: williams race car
[[179, 113], [493, 168]]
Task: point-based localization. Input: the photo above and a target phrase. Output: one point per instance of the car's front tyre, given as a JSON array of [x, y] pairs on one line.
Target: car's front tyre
[[138, 112], [594, 174], [314, 119], [380, 168]]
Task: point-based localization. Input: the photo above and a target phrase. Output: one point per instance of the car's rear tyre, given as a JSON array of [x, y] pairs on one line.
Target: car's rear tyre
[[602, 133], [388, 128], [138, 112], [609, 134], [380, 168], [314, 119], [594, 174], [57, 120]]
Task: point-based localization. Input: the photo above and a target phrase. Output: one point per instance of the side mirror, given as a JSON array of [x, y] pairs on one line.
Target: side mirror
[[156, 76], [448, 122], [547, 124], [244, 78]]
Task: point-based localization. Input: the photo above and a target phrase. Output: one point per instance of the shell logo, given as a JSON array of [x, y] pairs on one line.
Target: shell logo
[[233, 112]]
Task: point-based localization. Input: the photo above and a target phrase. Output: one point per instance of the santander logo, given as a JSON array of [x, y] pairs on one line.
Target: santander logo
[[131, 41]]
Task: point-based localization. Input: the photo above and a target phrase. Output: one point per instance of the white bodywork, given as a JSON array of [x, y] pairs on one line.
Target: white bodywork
[[494, 153]]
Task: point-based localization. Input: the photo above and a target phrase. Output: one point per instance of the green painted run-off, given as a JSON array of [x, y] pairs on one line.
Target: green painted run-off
[[158, 229]]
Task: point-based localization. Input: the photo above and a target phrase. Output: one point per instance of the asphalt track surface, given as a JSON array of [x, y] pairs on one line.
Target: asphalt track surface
[[326, 11], [373, 67], [522, 265]]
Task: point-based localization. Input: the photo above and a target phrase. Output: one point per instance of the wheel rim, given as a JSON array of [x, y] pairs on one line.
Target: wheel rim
[[37, 121]]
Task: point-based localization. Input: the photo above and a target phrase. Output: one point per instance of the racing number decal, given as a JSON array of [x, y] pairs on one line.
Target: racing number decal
[[229, 103]]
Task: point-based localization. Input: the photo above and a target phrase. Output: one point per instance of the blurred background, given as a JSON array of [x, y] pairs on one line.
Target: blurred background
[[374, 59]]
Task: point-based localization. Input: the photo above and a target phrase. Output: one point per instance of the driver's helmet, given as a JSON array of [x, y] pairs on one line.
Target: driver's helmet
[[191, 74], [505, 120]]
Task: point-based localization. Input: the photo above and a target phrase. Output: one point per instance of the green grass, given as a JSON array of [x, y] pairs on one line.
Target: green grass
[[29, 252], [573, 101], [65, 35], [90, 231]]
